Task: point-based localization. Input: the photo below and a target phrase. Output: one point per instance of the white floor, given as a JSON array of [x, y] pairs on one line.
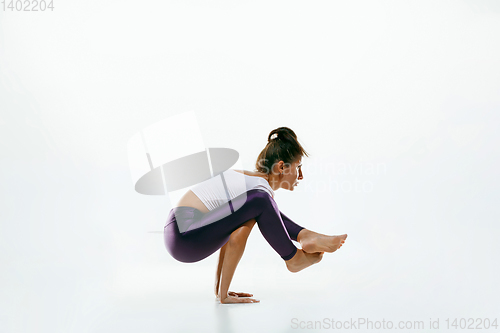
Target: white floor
[[112, 295], [86, 262]]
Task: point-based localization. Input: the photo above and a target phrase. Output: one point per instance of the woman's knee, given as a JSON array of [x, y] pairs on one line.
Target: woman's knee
[[261, 198], [250, 223]]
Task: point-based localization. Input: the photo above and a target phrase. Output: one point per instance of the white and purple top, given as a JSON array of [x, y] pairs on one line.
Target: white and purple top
[[218, 190]]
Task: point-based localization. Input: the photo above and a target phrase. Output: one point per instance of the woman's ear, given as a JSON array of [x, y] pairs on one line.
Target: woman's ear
[[280, 166]]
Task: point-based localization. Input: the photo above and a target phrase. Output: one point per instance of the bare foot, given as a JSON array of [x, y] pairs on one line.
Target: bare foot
[[234, 299], [303, 260], [314, 242]]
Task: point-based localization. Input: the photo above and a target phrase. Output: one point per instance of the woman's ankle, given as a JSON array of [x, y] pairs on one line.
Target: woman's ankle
[[296, 257], [301, 234], [307, 240], [302, 260], [305, 234]]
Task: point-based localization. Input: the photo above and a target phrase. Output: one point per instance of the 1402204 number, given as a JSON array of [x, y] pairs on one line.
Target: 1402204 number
[[27, 5]]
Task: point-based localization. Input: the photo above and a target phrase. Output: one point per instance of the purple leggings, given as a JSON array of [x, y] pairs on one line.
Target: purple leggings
[[216, 227]]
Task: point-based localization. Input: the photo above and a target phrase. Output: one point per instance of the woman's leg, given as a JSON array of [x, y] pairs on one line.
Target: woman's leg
[[311, 241], [292, 228], [216, 227]]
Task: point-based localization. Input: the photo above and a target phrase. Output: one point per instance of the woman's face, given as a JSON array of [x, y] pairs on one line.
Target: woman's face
[[292, 173]]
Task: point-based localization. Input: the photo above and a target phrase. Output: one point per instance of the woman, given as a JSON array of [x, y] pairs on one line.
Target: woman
[[201, 223]]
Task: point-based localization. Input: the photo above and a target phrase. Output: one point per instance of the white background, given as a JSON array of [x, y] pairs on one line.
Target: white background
[[411, 88]]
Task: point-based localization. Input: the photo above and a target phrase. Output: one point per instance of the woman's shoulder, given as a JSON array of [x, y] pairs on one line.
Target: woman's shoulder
[[251, 173], [248, 173]]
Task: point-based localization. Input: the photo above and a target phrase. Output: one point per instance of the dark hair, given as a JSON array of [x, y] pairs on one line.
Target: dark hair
[[282, 145]]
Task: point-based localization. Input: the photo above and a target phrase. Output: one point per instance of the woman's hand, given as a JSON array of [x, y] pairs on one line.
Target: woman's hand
[[232, 293], [235, 299]]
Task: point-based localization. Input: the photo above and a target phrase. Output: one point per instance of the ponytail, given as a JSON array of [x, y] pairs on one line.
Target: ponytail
[[282, 145]]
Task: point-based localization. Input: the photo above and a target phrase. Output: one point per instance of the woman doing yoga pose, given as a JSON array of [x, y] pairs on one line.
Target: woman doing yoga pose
[[202, 222]]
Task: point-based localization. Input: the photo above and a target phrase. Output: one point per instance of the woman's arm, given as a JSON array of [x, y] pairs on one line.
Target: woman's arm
[[218, 275], [219, 269], [232, 255]]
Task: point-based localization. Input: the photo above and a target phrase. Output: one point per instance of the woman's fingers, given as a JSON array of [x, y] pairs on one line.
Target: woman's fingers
[[232, 293], [239, 294], [232, 300], [244, 295], [249, 300]]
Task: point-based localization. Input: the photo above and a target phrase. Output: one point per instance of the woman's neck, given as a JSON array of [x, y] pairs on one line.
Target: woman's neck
[[271, 179]]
